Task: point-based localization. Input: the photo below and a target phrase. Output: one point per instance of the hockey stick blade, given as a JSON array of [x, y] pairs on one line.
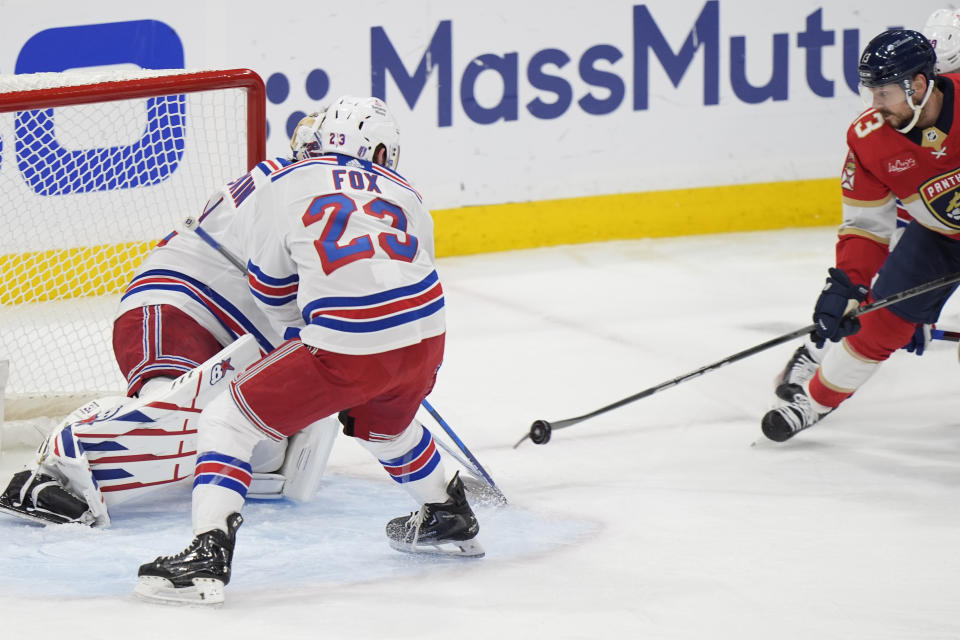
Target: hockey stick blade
[[541, 430], [475, 464]]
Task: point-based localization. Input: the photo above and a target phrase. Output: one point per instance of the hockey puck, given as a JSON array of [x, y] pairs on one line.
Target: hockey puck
[[540, 432]]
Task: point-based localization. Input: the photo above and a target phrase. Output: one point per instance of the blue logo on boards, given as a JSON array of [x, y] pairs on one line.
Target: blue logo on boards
[[598, 80], [51, 169]]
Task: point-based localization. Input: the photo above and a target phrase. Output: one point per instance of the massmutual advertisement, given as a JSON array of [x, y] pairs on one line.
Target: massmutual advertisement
[[538, 122]]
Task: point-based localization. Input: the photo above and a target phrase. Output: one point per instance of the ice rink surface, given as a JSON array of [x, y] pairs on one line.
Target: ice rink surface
[[669, 518]]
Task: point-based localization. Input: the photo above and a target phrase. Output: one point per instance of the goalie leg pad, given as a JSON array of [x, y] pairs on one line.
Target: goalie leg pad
[[105, 453], [307, 457], [266, 486]]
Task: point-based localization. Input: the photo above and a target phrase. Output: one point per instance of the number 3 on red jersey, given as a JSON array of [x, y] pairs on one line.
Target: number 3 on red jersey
[[865, 127], [337, 208]]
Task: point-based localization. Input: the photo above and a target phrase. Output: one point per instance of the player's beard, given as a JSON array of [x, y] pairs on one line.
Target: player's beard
[[895, 120]]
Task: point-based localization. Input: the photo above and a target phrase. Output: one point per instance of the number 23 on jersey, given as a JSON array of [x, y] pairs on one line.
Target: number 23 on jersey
[[334, 211]]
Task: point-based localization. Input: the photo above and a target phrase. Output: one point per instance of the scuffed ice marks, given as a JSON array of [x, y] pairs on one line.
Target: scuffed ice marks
[[336, 539]]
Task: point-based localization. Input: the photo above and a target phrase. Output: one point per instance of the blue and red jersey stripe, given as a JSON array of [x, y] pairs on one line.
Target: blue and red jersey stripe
[[227, 314], [383, 310]]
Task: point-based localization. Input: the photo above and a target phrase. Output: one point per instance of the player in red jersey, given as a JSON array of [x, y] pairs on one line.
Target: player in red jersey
[[942, 29], [898, 150]]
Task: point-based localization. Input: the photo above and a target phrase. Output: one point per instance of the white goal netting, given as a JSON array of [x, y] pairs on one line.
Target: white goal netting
[[94, 170]]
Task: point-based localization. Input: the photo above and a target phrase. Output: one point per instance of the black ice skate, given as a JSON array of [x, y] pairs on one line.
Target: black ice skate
[[41, 499], [800, 368], [446, 528], [197, 574], [784, 422]]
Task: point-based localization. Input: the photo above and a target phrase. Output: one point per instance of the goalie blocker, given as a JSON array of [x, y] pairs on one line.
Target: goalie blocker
[[117, 449]]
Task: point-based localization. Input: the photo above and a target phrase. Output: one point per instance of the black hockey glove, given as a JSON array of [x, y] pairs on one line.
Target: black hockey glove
[[838, 298]]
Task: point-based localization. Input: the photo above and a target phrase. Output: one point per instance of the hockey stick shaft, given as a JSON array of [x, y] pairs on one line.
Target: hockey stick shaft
[[456, 439], [194, 225], [949, 336], [541, 429]]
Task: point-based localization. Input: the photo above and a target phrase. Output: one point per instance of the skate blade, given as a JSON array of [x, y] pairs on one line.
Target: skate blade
[[28, 516], [464, 548], [205, 592]]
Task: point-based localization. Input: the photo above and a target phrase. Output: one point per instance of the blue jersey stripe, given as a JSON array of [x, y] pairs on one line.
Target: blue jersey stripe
[[225, 304], [370, 326], [221, 481], [212, 456], [376, 298], [271, 280]]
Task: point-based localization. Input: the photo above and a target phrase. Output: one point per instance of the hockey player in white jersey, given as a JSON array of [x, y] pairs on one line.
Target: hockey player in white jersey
[[356, 237], [178, 320]]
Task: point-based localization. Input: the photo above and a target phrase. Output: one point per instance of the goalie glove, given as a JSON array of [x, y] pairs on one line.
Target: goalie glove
[[38, 497], [838, 298]]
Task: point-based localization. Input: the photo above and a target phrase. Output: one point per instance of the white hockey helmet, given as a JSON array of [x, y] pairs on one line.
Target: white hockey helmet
[[359, 127], [943, 31], [305, 142]]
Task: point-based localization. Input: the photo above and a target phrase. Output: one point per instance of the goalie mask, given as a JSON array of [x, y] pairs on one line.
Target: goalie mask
[[305, 142], [361, 128]]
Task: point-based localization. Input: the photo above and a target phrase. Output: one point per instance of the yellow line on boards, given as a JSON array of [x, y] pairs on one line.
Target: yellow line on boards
[[652, 214], [57, 274], [105, 269]]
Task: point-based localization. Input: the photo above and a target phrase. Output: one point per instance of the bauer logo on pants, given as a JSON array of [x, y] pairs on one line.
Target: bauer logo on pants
[[219, 370]]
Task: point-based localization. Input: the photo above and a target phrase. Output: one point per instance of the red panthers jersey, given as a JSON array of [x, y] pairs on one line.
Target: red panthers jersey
[[920, 168]]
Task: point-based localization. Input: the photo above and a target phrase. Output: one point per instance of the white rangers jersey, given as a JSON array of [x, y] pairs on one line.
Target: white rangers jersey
[[353, 241], [183, 270]]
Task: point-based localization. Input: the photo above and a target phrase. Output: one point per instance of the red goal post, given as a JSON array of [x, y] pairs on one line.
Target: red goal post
[[171, 83], [95, 168]]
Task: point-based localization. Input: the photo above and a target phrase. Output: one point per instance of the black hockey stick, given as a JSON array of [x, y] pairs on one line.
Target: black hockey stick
[[541, 430]]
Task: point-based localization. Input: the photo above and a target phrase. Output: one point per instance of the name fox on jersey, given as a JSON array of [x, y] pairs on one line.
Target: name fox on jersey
[[358, 180]]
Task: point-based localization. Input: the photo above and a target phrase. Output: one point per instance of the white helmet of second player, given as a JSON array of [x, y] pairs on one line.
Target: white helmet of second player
[[943, 31], [360, 127]]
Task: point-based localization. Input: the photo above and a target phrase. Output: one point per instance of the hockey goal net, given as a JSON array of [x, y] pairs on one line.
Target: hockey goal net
[[95, 168]]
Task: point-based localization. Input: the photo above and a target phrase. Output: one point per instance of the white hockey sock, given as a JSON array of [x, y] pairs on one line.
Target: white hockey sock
[[841, 373], [225, 445], [412, 460]]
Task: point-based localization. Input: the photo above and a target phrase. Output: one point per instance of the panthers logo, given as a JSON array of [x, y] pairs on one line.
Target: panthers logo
[[942, 197]]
